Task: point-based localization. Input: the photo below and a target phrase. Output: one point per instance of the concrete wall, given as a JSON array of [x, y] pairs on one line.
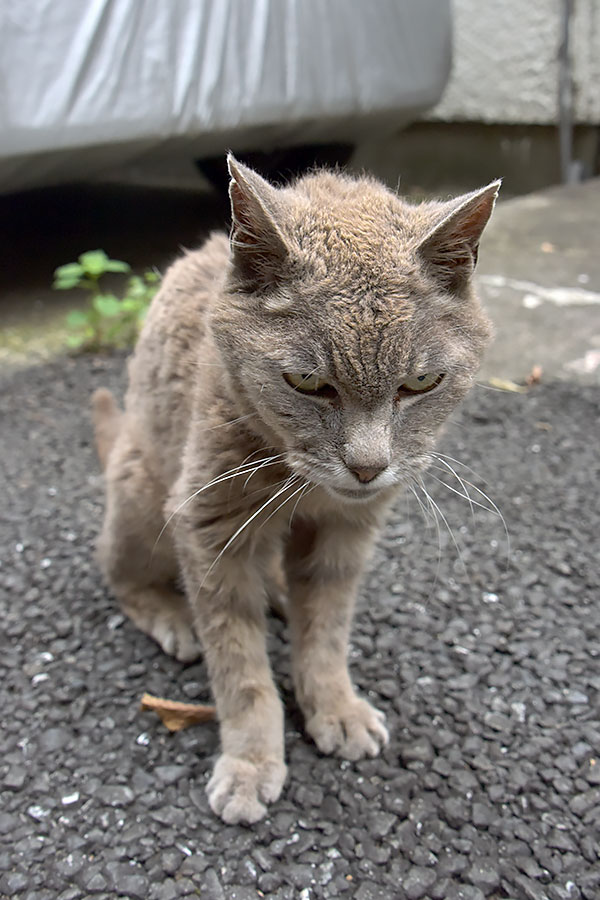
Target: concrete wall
[[505, 62]]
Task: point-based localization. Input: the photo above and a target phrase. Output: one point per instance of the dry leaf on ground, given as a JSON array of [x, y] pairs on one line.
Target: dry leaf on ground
[[176, 715], [503, 384]]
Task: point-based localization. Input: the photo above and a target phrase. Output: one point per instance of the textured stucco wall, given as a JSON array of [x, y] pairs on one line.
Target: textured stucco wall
[[505, 62]]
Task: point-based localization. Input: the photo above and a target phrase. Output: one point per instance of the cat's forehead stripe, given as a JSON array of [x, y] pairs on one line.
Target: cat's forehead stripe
[[368, 351]]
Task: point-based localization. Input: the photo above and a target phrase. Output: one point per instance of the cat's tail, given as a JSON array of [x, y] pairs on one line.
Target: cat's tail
[[106, 417]]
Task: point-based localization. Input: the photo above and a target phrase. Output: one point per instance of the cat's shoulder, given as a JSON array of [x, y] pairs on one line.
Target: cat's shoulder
[[188, 287], [199, 269]]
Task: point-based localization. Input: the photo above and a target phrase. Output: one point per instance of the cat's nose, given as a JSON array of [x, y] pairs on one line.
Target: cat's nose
[[367, 473]]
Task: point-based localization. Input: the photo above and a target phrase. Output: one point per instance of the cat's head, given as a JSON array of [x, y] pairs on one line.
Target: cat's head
[[349, 327]]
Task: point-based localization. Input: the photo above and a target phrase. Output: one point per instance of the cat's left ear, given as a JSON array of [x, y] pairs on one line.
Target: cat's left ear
[[258, 247], [451, 245]]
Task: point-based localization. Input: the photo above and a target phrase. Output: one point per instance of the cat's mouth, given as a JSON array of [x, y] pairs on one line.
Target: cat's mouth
[[363, 493]]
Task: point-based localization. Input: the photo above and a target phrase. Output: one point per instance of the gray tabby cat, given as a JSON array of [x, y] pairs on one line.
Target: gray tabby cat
[[288, 384]]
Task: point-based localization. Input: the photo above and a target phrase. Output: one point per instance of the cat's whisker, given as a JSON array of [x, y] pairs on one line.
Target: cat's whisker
[[435, 506], [242, 469], [440, 456], [417, 483], [287, 499], [267, 487], [261, 466], [244, 525], [466, 496], [233, 421], [304, 493], [422, 507], [491, 387], [261, 463], [494, 508], [464, 493]]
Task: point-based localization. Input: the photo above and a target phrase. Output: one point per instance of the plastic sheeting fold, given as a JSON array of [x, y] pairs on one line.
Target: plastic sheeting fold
[[90, 83]]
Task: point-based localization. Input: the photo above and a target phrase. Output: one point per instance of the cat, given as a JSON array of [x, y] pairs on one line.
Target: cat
[[288, 383]]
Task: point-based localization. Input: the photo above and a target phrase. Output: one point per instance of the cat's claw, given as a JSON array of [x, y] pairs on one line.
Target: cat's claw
[[355, 731], [239, 789]]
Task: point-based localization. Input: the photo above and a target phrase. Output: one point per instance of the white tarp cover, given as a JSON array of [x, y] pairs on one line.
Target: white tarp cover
[[125, 78]]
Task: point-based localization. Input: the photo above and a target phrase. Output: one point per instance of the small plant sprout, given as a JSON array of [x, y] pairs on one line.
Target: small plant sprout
[[109, 321]]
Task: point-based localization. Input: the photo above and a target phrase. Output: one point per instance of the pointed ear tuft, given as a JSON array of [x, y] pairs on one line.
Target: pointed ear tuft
[[451, 245], [258, 247]]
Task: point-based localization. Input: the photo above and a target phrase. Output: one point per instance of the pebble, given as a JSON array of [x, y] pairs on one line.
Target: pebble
[[12, 884], [15, 778], [71, 864], [483, 815], [308, 796], [576, 697], [93, 880], [211, 886], [484, 874], [418, 882], [380, 824], [370, 890], [166, 890], [171, 774], [38, 812], [581, 803], [420, 750], [591, 771], [115, 795], [55, 739], [457, 811], [268, 882]]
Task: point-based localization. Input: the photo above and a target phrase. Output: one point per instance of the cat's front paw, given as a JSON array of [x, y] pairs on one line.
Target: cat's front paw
[[353, 730], [239, 789]]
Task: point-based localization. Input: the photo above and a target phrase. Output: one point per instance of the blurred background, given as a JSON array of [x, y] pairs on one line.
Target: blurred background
[[116, 115]]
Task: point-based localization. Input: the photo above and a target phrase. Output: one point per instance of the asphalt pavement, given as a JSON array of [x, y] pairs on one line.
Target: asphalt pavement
[[485, 658]]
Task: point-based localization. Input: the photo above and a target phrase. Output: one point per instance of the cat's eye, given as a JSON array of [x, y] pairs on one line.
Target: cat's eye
[[419, 384], [311, 384]]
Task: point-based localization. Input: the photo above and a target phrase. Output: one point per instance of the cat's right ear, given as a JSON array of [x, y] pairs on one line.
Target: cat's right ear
[[258, 247]]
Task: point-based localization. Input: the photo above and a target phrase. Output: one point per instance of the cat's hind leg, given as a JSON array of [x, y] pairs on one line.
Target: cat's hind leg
[[137, 556], [163, 614]]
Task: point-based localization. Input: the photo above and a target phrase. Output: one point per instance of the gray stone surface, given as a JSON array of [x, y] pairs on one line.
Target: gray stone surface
[[489, 787]]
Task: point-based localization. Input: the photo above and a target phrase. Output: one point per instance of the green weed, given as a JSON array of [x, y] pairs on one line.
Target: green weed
[[108, 321]]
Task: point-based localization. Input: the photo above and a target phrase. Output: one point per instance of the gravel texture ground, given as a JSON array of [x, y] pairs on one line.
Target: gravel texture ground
[[488, 670]]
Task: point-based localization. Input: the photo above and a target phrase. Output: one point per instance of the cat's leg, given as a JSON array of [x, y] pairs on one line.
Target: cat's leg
[[276, 585], [140, 568], [324, 566], [229, 612]]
